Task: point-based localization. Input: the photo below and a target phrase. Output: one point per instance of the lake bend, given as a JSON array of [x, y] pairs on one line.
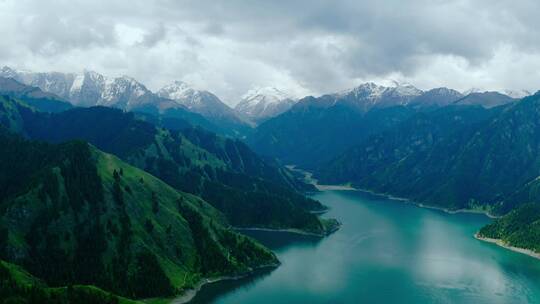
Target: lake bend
[[387, 251]]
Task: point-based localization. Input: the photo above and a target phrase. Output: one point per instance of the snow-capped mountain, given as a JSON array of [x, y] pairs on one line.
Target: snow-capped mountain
[[91, 88], [438, 97], [487, 99], [370, 95], [473, 90], [198, 101], [259, 104], [513, 93], [517, 93]]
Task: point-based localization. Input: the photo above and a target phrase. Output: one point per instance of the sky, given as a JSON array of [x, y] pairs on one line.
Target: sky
[[307, 47]]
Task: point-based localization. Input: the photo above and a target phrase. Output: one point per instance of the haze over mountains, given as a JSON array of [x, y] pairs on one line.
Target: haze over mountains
[[257, 105]]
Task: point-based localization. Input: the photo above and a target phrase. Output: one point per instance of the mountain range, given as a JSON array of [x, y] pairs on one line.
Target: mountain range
[[151, 219], [126, 192], [176, 100], [191, 160], [316, 129], [461, 156]]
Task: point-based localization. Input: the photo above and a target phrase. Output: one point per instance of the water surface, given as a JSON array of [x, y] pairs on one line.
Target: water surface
[[386, 252]]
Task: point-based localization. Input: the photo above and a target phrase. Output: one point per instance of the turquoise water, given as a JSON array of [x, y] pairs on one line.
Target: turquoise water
[[386, 252]]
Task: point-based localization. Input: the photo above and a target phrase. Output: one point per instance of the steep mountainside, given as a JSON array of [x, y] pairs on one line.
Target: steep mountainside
[[315, 130], [71, 214], [307, 134], [485, 99], [33, 96], [250, 191], [206, 104], [466, 159], [438, 97], [260, 104]]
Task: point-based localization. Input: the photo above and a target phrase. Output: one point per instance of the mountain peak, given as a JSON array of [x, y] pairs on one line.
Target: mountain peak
[[261, 103], [518, 94], [7, 70], [369, 95], [198, 101], [267, 94], [177, 90], [374, 90]]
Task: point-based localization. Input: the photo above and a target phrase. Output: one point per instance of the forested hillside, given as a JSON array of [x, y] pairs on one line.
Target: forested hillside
[[456, 157], [71, 214], [224, 172]]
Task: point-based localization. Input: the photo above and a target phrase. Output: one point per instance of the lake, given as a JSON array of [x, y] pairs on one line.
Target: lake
[[387, 251]]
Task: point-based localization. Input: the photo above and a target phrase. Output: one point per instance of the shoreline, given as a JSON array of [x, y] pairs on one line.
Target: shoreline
[[288, 230], [501, 243], [421, 205], [308, 177], [190, 293]]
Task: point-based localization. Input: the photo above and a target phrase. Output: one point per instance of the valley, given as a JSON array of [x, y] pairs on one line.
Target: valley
[[263, 152]]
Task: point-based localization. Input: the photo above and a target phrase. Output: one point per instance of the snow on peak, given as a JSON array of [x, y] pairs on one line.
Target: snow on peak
[[8, 72], [177, 90], [372, 90], [264, 102], [199, 101], [473, 90], [262, 97], [265, 94], [518, 94]]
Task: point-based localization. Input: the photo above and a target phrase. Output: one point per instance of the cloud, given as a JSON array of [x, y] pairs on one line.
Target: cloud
[[305, 47], [154, 36]]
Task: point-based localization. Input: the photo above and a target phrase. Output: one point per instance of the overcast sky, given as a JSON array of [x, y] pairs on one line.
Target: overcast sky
[[303, 47]]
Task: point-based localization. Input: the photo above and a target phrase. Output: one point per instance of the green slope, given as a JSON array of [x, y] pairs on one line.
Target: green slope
[[18, 286], [519, 228], [455, 157], [71, 214], [247, 189]]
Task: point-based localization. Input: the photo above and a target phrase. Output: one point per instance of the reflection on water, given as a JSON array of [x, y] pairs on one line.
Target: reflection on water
[[386, 252], [282, 240], [211, 292]]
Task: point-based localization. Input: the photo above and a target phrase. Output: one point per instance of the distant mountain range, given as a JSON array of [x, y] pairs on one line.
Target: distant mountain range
[[93, 89], [255, 107], [317, 129]]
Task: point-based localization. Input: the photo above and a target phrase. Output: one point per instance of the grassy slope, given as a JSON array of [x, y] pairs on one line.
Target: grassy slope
[[222, 171], [179, 235], [18, 286]]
